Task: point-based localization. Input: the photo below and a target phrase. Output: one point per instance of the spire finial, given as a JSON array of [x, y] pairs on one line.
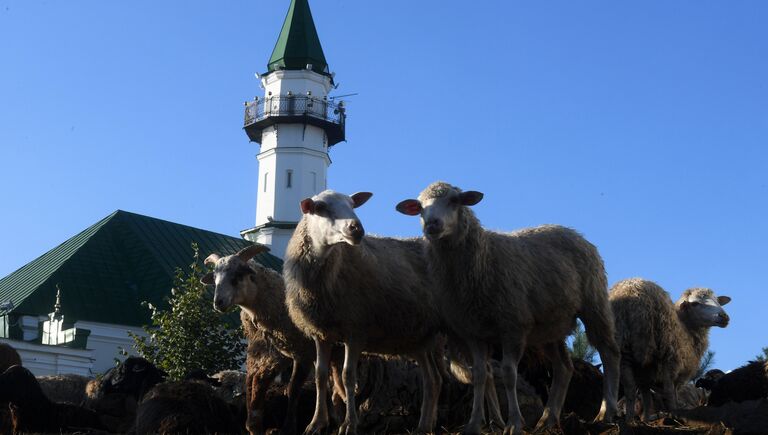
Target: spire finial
[[298, 46], [57, 307]]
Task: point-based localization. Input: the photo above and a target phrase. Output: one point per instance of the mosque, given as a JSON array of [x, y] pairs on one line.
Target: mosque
[[70, 310]]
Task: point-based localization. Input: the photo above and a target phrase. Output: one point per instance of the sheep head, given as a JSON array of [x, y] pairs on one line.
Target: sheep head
[[331, 218], [229, 274], [440, 206], [135, 376], [700, 307]]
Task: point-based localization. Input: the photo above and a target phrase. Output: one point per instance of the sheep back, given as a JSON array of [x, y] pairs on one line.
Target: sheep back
[[65, 388], [487, 276], [748, 382], [8, 357], [650, 334], [184, 407]]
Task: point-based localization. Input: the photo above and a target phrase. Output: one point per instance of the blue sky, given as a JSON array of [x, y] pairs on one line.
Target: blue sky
[[644, 126]]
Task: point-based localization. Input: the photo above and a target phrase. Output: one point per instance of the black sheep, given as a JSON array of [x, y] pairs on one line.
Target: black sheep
[[135, 376], [709, 379], [32, 411], [8, 357], [748, 382]]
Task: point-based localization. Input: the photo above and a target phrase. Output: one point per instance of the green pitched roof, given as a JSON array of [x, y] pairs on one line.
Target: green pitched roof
[[110, 267], [298, 44]]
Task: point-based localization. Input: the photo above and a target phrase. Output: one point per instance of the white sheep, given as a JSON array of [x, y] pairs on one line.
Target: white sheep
[[518, 289], [661, 342], [370, 293]]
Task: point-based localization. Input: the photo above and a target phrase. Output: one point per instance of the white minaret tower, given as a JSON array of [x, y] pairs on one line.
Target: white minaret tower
[[296, 124]]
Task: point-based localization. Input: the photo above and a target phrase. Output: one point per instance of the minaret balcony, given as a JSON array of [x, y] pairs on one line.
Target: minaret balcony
[[289, 109]]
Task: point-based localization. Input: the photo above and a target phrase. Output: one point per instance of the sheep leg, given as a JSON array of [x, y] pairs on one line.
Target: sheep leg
[[430, 392], [630, 392], [670, 393], [600, 329], [352, 351], [647, 403], [338, 397], [479, 352], [320, 419], [492, 400], [299, 374], [562, 370], [512, 351]]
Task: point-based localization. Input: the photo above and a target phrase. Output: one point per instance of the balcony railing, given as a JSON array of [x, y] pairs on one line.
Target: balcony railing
[[290, 106]]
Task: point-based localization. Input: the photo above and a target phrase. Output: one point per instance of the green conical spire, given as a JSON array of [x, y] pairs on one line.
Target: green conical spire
[[298, 44]]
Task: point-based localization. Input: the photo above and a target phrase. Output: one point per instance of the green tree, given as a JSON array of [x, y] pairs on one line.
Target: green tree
[[763, 356], [580, 347], [190, 334], [707, 361]]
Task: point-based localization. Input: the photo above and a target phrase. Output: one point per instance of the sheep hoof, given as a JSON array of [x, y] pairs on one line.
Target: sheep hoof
[[348, 428], [547, 420], [496, 426], [316, 428], [513, 430]]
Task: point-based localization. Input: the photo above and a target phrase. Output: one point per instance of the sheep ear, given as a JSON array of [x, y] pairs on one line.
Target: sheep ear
[[470, 197], [308, 206], [212, 259], [410, 207], [360, 198], [207, 279], [246, 254], [722, 300]]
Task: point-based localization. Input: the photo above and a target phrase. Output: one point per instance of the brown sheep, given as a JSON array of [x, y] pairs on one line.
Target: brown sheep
[[65, 388], [273, 340], [8, 357], [517, 289], [661, 342], [372, 294]]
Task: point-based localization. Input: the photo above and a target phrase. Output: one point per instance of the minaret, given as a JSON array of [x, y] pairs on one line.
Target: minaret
[[296, 124]]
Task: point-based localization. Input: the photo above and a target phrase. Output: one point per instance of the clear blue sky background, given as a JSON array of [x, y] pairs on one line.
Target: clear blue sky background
[[644, 126]]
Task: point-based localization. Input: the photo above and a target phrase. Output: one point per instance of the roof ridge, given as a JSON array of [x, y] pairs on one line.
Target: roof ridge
[[113, 264], [152, 218], [55, 256]]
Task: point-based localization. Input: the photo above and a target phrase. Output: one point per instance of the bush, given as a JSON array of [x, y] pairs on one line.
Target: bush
[[580, 347], [190, 334]]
